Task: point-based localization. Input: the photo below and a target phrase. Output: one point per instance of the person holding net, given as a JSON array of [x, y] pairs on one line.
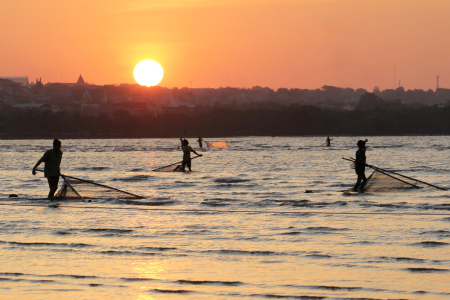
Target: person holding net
[[200, 142], [52, 159], [187, 156], [360, 165]]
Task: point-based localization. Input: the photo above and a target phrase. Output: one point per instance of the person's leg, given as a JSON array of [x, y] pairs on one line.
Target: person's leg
[[358, 182], [189, 165], [183, 166], [364, 180], [53, 185]]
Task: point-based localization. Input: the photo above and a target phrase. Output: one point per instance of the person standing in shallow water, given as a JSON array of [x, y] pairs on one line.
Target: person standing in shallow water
[[187, 156], [328, 141], [200, 140], [52, 159], [360, 165]]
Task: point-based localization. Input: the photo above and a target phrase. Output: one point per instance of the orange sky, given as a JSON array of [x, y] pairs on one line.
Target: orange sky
[[236, 43]]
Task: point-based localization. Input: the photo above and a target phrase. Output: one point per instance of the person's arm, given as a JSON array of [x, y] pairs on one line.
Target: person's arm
[[37, 165], [196, 153]]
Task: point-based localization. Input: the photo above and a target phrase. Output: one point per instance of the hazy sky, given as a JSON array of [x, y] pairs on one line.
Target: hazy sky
[[236, 43]]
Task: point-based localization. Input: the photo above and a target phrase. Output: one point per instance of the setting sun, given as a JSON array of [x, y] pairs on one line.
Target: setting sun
[[148, 73]]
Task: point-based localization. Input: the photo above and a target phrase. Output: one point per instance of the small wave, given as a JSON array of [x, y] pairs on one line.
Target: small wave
[[407, 259], [171, 291], [279, 296], [439, 233], [11, 274], [320, 256], [134, 178], [92, 168], [134, 253], [315, 230], [74, 276], [230, 180], [9, 279], [157, 248], [323, 229], [136, 279], [109, 230], [209, 282], [95, 284], [444, 206], [427, 270], [72, 245], [334, 288], [62, 233], [243, 252], [363, 243], [217, 202], [391, 205], [431, 244]]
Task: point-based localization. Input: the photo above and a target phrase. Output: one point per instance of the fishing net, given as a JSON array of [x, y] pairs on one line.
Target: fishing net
[[380, 181], [76, 188], [175, 167], [221, 144], [170, 168]]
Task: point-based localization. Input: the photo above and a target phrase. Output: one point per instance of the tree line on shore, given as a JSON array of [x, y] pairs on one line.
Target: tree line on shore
[[294, 120]]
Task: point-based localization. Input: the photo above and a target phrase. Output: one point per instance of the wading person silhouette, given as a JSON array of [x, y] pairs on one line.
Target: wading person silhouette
[[200, 140], [52, 159], [187, 155], [360, 165]]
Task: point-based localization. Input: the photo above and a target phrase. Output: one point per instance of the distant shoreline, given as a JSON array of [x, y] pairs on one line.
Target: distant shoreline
[[103, 137]]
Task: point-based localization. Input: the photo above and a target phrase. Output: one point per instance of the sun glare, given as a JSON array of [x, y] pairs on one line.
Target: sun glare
[[148, 73]]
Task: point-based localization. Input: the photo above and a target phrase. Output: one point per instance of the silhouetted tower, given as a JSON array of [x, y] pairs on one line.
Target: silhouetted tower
[[437, 83], [39, 85], [81, 81]]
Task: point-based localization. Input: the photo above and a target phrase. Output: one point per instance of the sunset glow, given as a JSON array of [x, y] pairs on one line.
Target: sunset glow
[[237, 43], [148, 73]]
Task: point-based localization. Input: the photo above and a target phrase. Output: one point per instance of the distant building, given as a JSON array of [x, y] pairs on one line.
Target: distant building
[[81, 81], [9, 86], [23, 80]]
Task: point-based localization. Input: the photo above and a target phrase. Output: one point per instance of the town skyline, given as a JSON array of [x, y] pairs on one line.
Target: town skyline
[[284, 44], [28, 81]]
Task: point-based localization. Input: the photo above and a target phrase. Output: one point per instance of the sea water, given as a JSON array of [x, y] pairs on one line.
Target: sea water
[[265, 218]]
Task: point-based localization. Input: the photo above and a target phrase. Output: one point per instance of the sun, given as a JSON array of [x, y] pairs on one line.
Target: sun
[[148, 73]]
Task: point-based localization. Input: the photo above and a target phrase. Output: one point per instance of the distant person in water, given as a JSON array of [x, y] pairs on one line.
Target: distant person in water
[[181, 143], [200, 140], [328, 141], [360, 165], [187, 155], [52, 159]]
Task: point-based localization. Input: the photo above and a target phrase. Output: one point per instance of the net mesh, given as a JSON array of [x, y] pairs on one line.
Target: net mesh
[[75, 188], [171, 168], [220, 144], [381, 182]]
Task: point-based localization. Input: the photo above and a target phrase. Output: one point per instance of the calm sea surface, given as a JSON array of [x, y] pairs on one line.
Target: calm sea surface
[[240, 226]]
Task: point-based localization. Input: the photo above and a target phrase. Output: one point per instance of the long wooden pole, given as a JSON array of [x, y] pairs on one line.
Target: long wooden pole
[[174, 164], [410, 178]]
